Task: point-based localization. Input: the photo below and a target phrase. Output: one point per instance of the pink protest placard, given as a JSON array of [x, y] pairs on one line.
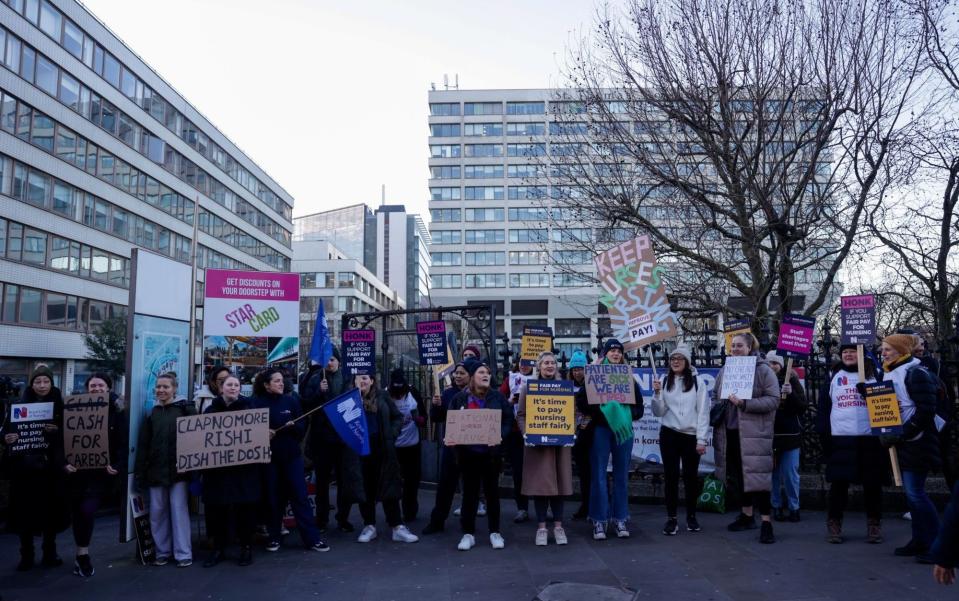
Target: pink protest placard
[[796, 335]]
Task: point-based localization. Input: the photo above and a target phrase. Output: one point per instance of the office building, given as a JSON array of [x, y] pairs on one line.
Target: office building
[[99, 154]]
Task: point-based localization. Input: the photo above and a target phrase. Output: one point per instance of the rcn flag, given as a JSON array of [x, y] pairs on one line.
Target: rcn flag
[[321, 348], [346, 414]]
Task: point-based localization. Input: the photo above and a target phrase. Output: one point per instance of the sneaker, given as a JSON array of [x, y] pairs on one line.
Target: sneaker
[[910, 549], [692, 524], [541, 537], [621, 530], [320, 546], [560, 535], [214, 558], [521, 516], [246, 556], [874, 532], [672, 527], [458, 511], [467, 542], [766, 536], [402, 534], [599, 531], [834, 528], [481, 510], [184, 563], [345, 527], [161, 561], [793, 515], [284, 531], [367, 534], [273, 546], [743, 522], [432, 528], [495, 540], [778, 514], [82, 566]]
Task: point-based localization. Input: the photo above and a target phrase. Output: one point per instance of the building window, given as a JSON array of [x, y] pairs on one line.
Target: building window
[[483, 171], [445, 172], [486, 280], [571, 327], [525, 129], [528, 257], [483, 108], [484, 214], [573, 257], [483, 129], [527, 235], [526, 150], [484, 193], [529, 280], [31, 302], [445, 151], [485, 258], [526, 192], [444, 109], [525, 108], [571, 280], [482, 150], [447, 280], [485, 237], [525, 171], [446, 259], [445, 130], [445, 215], [446, 236], [445, 194]]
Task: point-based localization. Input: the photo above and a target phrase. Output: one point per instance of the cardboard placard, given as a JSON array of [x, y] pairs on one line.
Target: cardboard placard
[[146, 548], [431, 341], [359, 352], [550, 413], [738, 376], [536, 340], [222, 439], [634, 293], [86, 431], [733, 327], [858, 315], [28, 421], [795, 335], [474, 427], [883, 405], [605, 383]]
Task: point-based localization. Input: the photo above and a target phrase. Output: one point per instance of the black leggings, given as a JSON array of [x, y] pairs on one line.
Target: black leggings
[[479, 469], [675, 447], [759, 500], [541, 504], [218, 521], [584, 443], [839, 496], [411, 470]]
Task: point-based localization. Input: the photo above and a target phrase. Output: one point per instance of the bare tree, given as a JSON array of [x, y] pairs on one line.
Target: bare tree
[[746, 137]]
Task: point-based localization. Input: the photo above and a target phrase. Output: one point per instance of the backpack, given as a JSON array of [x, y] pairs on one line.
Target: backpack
[[945, 412]]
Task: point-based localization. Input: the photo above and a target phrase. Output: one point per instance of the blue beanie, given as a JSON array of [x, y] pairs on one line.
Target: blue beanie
[[578, 360]]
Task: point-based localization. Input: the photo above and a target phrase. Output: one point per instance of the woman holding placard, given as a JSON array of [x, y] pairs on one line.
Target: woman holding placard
[[548, 469], [918, 445], [743, 438], [679, 399], [88, 487], [37, 492], [611, 427], [231, 493], [853, 455]]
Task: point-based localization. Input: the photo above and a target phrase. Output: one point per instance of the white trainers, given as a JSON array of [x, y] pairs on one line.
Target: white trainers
[[481, 510], [541, 537], [621, 530], [466, 543], [402, 534], [367, 534], [560, 535], [496, 540], [457, 511], [599, 531]]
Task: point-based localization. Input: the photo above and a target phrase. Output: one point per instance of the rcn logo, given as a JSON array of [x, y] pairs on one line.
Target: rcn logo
[[19, 412], [843, 381]]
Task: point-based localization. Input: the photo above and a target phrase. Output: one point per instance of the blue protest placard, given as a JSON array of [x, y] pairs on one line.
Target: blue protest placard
[[359, 352], [431, 341]]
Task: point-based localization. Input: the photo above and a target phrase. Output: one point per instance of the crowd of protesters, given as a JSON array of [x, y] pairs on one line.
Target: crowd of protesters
[[756, 440]]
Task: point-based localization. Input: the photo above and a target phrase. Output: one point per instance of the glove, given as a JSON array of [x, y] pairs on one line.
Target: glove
[[889, 440], [861, 389]]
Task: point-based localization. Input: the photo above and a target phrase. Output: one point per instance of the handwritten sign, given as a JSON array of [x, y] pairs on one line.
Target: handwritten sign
[[634, 293], [606, 383], [883, 406], [550, 414], [737, 377], [28, 421], [732, 328], [359, 352], [86, 431], [474, 427], [858, 314], [431, 340], [222, 439], [795, 335], [536, 340]]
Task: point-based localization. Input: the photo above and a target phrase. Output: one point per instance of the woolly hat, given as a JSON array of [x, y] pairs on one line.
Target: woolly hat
[[903, 343], [578, 360], [336, 353], [843, 347], [612, 343], [473, 349], [398, 381], [41, 370], [472, 365], [772, 357], [683, 349]]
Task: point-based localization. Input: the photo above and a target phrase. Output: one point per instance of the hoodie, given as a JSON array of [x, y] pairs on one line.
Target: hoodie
[[685, 411]]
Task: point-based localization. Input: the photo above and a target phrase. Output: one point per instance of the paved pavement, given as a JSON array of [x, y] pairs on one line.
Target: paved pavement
[[711, 565]]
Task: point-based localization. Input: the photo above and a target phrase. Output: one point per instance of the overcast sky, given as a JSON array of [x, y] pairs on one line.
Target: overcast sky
[[329, 97]]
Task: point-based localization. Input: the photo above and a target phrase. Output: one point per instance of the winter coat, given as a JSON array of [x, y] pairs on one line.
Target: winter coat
[[547, 470], [38, 499], [757, 418], [918, 393], [156, 448], [788, 426], [322, 432], [234, 484], [685, 411], [390, 420], [285, 444], [494, 400]]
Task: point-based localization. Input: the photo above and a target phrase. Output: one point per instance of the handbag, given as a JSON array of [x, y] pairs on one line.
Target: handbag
[[717, 413], [713, 497]]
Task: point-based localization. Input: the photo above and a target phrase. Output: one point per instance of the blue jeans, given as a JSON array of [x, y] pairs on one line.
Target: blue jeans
[[604, 445], [286, 484], [925, 518], [786, 475]]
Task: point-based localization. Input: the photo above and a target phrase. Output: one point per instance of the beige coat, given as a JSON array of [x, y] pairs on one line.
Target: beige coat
[[757, 418], [547, 471]]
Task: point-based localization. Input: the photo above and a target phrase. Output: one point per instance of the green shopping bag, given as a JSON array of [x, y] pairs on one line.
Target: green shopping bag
[[713, 497]]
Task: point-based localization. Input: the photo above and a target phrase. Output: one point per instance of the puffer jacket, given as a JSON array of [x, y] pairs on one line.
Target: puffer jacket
[[757, 418], [919, 448], [156, 447]]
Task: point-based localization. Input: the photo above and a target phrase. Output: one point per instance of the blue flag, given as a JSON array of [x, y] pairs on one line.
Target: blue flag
[[321, 349], [346, 414]]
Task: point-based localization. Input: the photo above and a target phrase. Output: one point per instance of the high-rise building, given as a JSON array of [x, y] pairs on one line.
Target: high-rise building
[[99, 154]]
